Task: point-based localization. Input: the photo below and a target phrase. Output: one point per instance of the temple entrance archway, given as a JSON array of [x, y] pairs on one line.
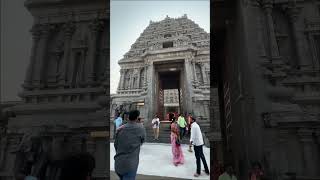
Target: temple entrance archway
[[169, 89]]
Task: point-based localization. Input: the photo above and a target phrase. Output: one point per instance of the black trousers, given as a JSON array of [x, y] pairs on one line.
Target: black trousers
[[182, 132], [198, 151]]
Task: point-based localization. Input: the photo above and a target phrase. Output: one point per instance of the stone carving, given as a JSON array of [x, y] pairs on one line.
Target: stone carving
[[158, 48]]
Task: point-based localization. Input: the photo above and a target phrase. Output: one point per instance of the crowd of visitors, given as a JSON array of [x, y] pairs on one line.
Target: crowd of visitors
[[130, 136]]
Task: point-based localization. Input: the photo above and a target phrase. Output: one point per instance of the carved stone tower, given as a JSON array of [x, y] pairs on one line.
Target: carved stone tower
[[169, 54]]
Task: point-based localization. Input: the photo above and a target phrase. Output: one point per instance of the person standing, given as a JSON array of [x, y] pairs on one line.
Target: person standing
[[156, 125], [197, 140], [256, 173], [177, 153], [129, 138], [228, 174], [117, 123], [182, 125], [189, 123]]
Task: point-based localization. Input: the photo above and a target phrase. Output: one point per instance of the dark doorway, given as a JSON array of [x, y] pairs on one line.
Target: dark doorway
[[169, 94]]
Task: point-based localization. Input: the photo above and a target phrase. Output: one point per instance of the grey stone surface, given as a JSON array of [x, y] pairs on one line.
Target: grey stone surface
[[63, 100], [272, 69]]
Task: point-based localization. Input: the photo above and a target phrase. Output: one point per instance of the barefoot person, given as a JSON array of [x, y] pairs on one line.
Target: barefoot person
[[129, 138], [175, 143], [155, 126], [197, 140]]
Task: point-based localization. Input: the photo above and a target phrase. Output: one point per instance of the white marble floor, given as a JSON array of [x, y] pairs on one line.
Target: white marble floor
[[156, 159]]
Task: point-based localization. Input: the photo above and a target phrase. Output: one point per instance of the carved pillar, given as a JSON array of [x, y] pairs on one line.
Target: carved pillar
[[306, 139], [282, 151], [69, 29], [3, 150], [204, 77], [95, 27], [41, 55], [131, 81], [122, 73], [36, 36], [138, 79], [195, 78], [189, 89], [273, 46], [151, 91], [145, 75], [300, 45]]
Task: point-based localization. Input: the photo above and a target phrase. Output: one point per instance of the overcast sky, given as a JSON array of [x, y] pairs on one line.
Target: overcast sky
[[130, 18], [16, 41]]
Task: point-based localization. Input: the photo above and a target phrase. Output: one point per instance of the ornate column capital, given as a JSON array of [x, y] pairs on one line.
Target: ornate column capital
[[201, 64], [267, 5], [46, 29], [293, 11], [36, 32], [69, 29], [96, 25]]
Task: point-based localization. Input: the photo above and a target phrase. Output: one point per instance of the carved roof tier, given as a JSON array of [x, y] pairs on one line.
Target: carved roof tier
[[178, 32]]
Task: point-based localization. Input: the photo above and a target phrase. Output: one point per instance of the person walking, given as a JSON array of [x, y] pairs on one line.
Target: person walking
[[156, 125], [228, 174], [182, 125], [129, 138], [189, 130], [177, 153], [197, 140]]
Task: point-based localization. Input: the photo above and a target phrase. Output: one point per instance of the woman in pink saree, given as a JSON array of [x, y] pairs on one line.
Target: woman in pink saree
[[176, 148]]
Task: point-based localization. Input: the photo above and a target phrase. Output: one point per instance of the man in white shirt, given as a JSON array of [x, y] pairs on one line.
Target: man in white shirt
[[197, 140]]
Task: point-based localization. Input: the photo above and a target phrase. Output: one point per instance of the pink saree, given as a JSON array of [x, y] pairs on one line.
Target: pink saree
[[178, 157]]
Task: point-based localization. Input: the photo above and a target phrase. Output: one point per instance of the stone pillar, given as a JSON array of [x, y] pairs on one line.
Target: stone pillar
[[306, 139], [95, 27], [300, 45], [123, 79], [69, 29], [3, 150], [41, 55], [36, 36], [122, 73], [273, 46], [145, 75], [138, 79], [204, 77], [131, 81], [282, 167], [151, 91], [195, 78], [189, 89]]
